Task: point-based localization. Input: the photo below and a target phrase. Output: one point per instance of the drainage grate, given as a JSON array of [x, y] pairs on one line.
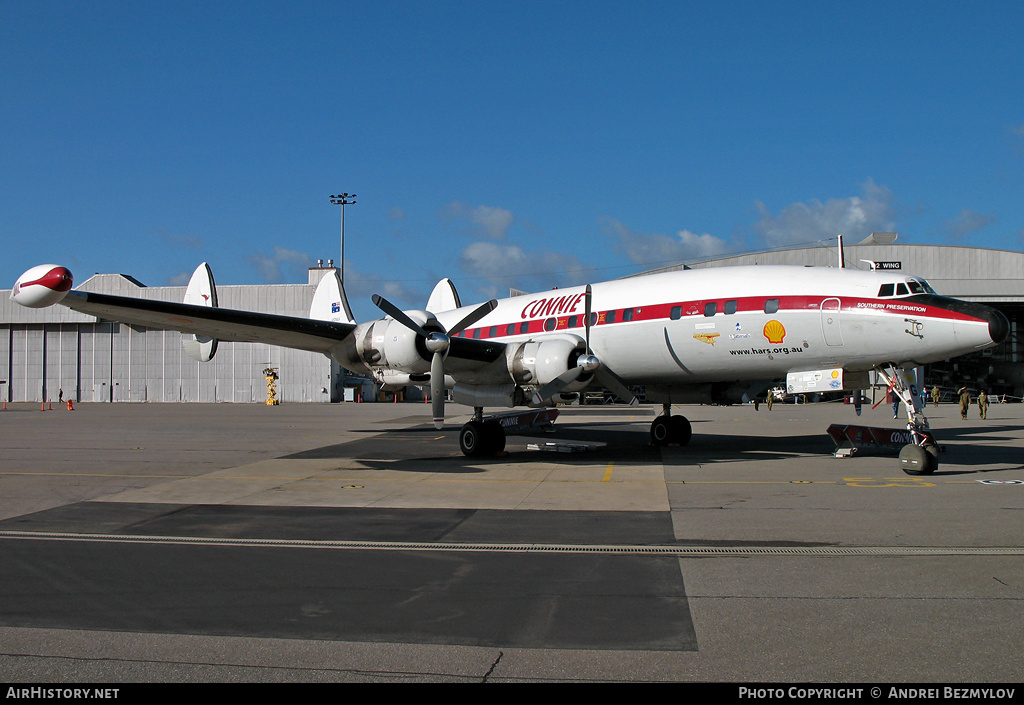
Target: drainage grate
[[680, 551]]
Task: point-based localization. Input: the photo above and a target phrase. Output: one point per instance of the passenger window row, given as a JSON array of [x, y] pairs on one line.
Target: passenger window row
[[728, 308], [675, 313]]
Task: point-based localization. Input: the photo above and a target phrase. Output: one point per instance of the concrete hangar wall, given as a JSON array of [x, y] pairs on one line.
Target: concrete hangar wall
[[43, 351], [991, 277]]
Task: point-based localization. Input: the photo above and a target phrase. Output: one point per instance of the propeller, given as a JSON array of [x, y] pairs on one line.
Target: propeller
[[437, 343], [586, 363]]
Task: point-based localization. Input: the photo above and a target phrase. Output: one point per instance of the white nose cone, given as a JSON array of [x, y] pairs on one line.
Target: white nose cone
[[42, 286]]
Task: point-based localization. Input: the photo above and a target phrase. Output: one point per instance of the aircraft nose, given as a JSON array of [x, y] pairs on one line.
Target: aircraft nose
[[998, 326], [971, 333]]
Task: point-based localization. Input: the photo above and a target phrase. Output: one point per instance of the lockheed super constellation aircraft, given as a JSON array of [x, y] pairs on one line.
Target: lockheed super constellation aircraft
[[706, 335]]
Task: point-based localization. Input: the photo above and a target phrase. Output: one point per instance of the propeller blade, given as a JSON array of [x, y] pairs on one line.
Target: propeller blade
[[436, 342], [588, 304], [396, 313], [556, 385], [437, 389], [610, 381], [474, 316], [584, 363]]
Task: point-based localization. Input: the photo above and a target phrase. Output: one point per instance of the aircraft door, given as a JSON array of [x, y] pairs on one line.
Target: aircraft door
[[830, 324]]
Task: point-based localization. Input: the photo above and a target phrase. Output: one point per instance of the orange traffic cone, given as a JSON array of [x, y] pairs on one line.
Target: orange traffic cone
[[70, 406]]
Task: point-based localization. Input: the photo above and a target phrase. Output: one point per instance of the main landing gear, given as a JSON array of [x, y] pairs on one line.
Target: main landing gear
[[482, 437], [671, 430]]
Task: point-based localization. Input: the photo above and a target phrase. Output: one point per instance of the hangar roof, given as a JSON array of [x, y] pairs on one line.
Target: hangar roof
[[969, 273]]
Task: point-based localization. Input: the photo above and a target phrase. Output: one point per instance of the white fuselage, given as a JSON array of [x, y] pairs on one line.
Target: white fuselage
[[727, 324]]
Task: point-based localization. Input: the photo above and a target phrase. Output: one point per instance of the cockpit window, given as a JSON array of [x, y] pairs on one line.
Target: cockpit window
[[901, 289], [886, 290], [915, 287]]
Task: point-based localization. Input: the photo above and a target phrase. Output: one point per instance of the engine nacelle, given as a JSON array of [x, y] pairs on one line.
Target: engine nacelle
[[537, 363], [395, 381], [388, 343], [500, 395], [42, 286]]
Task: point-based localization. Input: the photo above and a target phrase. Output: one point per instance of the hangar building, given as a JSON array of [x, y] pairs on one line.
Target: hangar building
[[44, 351]]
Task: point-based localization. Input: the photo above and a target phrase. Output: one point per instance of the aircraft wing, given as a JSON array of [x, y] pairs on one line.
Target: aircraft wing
[[220, 323], [474, 350]]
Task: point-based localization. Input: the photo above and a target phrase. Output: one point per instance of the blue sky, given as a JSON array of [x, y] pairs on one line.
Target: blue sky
[[503, 144]]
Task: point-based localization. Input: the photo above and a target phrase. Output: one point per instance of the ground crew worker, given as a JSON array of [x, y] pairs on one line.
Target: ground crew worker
[[965, 402], [983, 404], [936, 394]]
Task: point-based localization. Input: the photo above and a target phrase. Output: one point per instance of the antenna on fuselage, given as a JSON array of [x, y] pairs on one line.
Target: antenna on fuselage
[[842, 255]]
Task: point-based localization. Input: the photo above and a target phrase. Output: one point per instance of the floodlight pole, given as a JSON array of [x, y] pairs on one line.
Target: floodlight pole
[[342, 199]]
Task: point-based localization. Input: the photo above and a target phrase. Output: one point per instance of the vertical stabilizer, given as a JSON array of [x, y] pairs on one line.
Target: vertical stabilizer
[[201, 291], [444, 297], [329, 300]]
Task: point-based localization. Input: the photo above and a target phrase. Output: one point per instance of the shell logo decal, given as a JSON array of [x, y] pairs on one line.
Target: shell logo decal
[[774, 331]]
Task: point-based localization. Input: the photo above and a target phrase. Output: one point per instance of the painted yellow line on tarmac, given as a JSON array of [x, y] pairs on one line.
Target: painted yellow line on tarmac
[[608, 473]]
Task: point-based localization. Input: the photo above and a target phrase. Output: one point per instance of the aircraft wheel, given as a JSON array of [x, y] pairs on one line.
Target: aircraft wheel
[[478, 438], [495, 437], [916, 460], [933, 451], [666, 430], [661, 430], [681, 430], [473, 439]]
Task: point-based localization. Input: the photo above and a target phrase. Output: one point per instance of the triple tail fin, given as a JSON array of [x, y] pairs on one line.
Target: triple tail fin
[[329, 301]]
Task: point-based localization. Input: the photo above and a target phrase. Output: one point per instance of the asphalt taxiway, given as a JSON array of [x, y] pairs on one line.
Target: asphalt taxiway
[[353, 542]]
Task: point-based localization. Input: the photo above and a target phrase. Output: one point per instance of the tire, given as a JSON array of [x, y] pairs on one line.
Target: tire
[[915, 460], [473, 439], [681, 430], [495, 437], [671, 430], [480, 438], [661, 431]]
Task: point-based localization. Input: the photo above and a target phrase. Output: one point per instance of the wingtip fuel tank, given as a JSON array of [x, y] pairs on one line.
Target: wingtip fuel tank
[[42, 286]]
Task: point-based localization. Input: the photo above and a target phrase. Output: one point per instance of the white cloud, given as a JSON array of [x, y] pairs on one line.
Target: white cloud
[[968, 221], [360, 287], [644, 248], [183, 241], [489, 221], [855, 217], [272, 268], [179, 279], [499, 267]]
